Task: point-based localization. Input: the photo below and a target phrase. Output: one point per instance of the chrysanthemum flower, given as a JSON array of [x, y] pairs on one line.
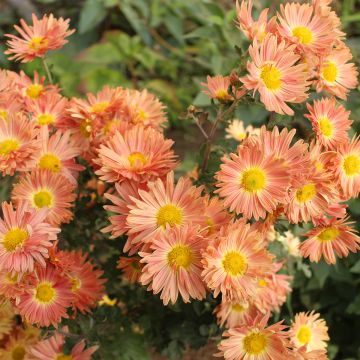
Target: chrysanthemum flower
[[310, 331], [252, 183], [47, 297], [165, 204], [45, 189], [274, 73], [215, 214], [143, 108], [54, 348], [17, 144], [48, 110], [234, 314], [10, 103], [37, 39], [333, 236], [131, 268], [303, 354], [217, 87], [12, 284], [254, 29], [6, 318], [300, 25], [173, 266], [330, 122], [336, 75], [7, 80], [140, 155], [24, 238], [255, 341], [234, 261], [347, 167], [236, 130], [290, 242], [57, 153]]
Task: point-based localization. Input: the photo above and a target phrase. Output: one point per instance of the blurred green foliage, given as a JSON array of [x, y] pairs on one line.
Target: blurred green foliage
[[169, 46]]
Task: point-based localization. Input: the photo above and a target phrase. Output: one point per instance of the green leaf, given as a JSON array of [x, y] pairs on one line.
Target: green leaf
[[321, 271], [92, 14]]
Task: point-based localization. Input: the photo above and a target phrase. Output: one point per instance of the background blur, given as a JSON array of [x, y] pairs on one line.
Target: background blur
[[169, 46]]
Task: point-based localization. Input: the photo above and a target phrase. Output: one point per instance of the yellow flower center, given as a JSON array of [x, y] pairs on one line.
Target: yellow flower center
[[3, 114], [254, 343], [38, 43], [237, 308], [45, 119], [329, 234], [14, 238], [253, 180], [304, 335], [180, 256], [34, 90], [109, 125], [85, 127], [18, 353], [234, 263], [100, 107], [319, 166], [45, 292], [50, 162], [326, 127], [64, 357], [351, 165], [136, 159], [240, 135], [8, 146], [303, 34], [222, 94], [142, 115], [42, 199], [330, 72], [11, 279], [75, 284], [169, 214], [262, 283], [306, 193], [271, 76]]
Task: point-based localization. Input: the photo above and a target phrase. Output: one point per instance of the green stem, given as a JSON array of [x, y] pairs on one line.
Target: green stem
[[47, 70]]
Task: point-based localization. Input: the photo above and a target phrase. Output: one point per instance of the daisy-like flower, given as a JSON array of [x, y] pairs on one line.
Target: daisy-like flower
[[290, 242], [274, 73], [300, 25], [10, 103], [234, 261], [336, 75], [6, 318], [165, 205], [347, 167], [54, 348], [255, 341], [236, 130], [234, 314], [45, 189], [330, 122], [37, 39], [215, 214], [86, 282], [12, 284], [217, 87], [140, 155], [254, 29], [46, 298], [48, 110], [131, 268], [143, 108], [310, 331], [17, 144], [252, 183], [57, 154], [332, 237], [24, 238], [173, 266]]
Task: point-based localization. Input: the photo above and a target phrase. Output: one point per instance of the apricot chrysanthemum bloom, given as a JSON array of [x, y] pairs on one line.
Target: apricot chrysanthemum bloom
[[46, 298], [54, 348], [140, 155], [37, 39], [217, 87], [333, 236], [45, 189], [300, 25], [274, 73], [234, 261], [143, 108], [310, 331], [57, 153], [236, 130], [25, 238], [255, 341], [252, 183], [254, 29], [12, 284], [165, 205], [347, 167], [336, 75], [17, 144], [173, 265], [234, 314], [303, 354], [131, 268], [215, 214], [330, 122]]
